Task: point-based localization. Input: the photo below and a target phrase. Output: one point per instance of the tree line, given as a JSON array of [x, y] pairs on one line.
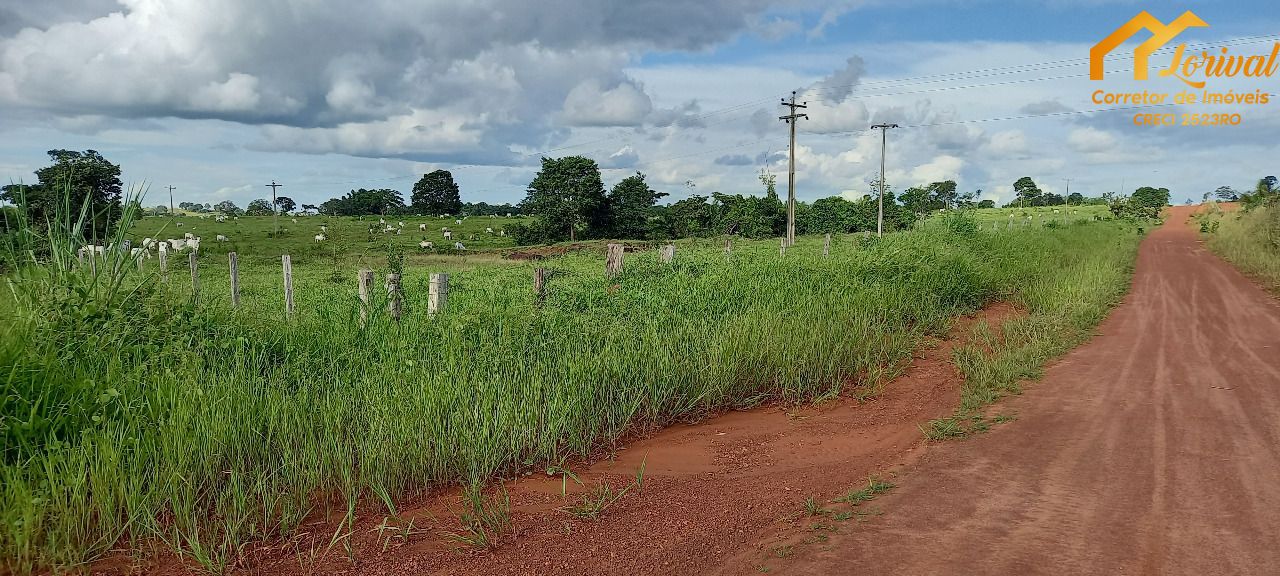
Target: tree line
[[567, 200]]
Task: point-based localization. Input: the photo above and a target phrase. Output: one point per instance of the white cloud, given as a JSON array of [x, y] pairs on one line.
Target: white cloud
[[589, 105], [1089, 140]]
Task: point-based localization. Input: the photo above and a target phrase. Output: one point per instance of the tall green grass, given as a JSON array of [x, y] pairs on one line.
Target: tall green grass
[[156, 417], [1250, 240]]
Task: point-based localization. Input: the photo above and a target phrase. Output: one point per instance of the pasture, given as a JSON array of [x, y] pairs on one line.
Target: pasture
[[348, 239], [139, 413]]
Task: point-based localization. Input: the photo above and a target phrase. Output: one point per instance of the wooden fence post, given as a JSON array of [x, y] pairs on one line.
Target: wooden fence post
[[826, 245], [235, 279], [393, 296], [366, 287], [164, 265], [728, 246], [437, 293], [195, 274], [613, 261], [782, 246], [668, 253], [539, 285], [287, 264]]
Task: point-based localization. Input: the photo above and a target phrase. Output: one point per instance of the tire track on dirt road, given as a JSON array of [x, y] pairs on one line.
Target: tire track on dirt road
[[1152, 449]]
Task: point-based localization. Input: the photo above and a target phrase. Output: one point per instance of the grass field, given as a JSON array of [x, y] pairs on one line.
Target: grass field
[[134, 413], [1250, 240], [989, 217]]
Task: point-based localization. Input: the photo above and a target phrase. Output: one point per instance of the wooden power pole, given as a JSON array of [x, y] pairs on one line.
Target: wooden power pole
[[275, 214], [884, 128], [171, 200], [790, 119]]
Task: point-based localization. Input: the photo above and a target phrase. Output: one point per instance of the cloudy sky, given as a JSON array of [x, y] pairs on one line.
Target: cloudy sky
[[220, 97]]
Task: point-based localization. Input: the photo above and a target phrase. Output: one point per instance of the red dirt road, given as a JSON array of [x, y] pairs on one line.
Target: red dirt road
[[1153, 449]]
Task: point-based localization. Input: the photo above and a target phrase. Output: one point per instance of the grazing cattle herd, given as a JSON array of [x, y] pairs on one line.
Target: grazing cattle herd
[[190, 242]]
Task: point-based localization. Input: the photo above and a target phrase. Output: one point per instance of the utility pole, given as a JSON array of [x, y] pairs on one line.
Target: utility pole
[[884, 129], [171, 200], [790, 119], [275, 214]]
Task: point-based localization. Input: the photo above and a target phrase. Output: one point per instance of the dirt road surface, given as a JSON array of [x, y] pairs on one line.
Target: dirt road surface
[[1153, 449]]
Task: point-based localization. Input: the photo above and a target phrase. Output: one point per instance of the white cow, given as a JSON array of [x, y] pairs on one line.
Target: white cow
[[458, 222], [426, 245], [503, 232], [422, 227], [400, 223], [324, 228], [488, 230], [319, 237], [295, 220], [188, 235], [177, 244], [221, 238], [458, 246], [148, 243], [179, 224], [448, 235], [194, 244], [382, 221]]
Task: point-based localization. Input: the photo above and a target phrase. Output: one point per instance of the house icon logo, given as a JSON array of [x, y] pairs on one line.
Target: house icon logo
[[1161, 34]]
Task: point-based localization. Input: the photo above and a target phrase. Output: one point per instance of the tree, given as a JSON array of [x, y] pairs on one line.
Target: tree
[[1026, 191], [987, 204], [1075, 198], [310, 208], [436, 193], [942, 194], [72, 181], [1226, 194], [567, 194], [285, 204], [228, 208], [259, 207], [916, 200], [362, 202], [631, 205], [1151, 197], [692, 216]]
